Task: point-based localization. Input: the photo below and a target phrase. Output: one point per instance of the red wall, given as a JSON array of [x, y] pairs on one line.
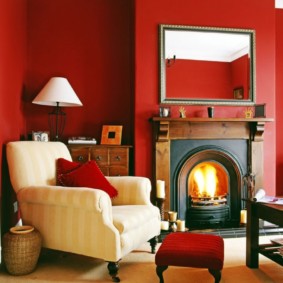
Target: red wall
[[89, 43], [279, 100], [206, 79], [210, 79], [241, 75], [251, 14], [12, 77]]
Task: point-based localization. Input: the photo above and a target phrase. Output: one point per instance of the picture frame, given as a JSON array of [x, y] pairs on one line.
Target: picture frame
[[259, 111], [111, 134], [238, 93], [42, 136]]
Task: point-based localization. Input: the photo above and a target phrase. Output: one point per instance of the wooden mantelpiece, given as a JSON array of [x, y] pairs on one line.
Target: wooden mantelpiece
[[167, 129]]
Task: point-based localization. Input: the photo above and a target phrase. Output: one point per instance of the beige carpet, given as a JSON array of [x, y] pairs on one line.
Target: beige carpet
[[139, 267]]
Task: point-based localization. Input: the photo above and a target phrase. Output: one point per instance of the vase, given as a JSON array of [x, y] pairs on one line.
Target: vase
[[21, 249]]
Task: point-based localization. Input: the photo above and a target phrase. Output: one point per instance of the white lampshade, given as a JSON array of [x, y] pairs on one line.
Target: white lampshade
[[57, 91]]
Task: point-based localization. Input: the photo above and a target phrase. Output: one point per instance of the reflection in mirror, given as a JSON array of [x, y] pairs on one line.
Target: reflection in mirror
[[201, 65]]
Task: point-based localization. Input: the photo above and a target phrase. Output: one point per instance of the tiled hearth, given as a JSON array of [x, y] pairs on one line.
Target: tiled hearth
[[180, 144]]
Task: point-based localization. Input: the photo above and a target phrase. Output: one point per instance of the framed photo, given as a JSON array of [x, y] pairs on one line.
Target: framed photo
[[40, 136], [239, 93], [111, 134], [259, 111]]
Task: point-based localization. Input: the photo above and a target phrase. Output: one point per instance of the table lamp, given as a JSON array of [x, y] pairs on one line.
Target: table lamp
[[57, 92]]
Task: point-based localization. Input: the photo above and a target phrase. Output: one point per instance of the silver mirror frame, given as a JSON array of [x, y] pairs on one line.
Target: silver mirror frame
[[192, 101]]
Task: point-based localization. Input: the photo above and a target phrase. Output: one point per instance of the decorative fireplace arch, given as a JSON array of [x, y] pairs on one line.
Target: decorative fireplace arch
[[234, 191]]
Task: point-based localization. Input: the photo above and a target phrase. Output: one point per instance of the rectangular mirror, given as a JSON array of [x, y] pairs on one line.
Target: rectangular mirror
[[206, 65]]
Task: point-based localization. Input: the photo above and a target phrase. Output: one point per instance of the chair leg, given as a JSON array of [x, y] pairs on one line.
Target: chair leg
[[153, 244], [159, 271], [216, 274], [113, 268]]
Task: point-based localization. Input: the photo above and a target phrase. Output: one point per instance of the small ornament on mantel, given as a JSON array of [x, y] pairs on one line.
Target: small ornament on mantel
[[249, 113], [182, 111]]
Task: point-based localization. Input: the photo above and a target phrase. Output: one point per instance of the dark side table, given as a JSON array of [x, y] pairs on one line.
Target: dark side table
[[272, 213]]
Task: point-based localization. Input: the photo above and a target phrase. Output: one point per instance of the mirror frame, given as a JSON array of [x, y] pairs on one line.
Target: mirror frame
[[193, 101]]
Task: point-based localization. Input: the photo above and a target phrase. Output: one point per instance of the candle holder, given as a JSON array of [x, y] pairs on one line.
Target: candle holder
[[160, 205]]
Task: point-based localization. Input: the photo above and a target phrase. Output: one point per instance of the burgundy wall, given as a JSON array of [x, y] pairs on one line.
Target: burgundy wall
[[234, 13], [279, 100], [89, 43], [12, 68]]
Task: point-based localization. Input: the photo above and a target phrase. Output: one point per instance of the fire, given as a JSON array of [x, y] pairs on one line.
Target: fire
[[206, 180]]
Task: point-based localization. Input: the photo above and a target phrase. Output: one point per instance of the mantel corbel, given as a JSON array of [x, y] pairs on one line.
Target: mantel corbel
[[258, 131], [163, 131]]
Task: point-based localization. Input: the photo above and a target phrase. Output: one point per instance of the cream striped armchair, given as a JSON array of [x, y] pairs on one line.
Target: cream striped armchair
[[79, 219]]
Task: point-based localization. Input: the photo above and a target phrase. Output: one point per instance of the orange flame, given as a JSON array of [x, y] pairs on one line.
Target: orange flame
[[206, 180]]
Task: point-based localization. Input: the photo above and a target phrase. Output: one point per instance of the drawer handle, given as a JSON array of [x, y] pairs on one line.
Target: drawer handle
[[98, 158], [81, 158], [118, 158]]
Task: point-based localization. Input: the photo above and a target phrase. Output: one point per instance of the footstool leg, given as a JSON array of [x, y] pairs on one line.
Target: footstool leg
[[153, 244], [216, 274], [159, 271]]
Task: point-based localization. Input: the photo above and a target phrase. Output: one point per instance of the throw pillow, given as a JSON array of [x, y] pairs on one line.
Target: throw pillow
[[73, 174], [65, 166]]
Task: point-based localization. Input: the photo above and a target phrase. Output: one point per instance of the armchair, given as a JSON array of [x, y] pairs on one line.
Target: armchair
[[79, 219]]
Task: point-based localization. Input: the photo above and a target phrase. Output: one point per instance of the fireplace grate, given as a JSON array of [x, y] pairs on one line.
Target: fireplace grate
[[198, 216], [208, 201]]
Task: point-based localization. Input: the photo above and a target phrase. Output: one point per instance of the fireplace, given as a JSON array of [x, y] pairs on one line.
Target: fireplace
[[203, 162], [206, 181]]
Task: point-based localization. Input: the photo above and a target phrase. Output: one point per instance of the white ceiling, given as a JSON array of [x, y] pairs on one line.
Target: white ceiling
[[207, 46], [279, 4]]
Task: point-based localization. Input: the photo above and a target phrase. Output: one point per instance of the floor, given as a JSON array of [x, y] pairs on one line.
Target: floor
[[241, 232]]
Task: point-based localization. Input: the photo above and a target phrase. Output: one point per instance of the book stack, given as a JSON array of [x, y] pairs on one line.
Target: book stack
[[81, 140]]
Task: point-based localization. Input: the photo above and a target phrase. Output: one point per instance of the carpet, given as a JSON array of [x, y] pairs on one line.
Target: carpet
[[139, 267]]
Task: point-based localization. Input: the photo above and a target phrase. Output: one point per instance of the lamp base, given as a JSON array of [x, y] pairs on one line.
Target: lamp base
[[57, 120]]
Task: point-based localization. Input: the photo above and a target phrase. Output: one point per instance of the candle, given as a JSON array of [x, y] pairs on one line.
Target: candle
[[243, 217], [181, 225], [172, 215], [160, 189], [164, 225]]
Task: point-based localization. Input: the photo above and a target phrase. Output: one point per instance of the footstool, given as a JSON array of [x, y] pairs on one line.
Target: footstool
[[191, 250]]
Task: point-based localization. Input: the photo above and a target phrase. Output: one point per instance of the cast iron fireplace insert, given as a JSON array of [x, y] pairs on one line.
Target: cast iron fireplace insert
[[224, 162]]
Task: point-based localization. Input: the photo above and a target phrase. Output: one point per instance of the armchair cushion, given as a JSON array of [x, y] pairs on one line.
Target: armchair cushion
[[73, 174], [135, 215]]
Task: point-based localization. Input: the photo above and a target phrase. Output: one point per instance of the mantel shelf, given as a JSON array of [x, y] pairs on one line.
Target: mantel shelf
[[197, 119]]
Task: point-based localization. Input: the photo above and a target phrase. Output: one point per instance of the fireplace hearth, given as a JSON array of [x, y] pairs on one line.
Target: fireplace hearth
[[185, 151]]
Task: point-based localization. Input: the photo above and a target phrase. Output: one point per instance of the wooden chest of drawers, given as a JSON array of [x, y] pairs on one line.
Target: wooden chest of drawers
[[113, 160]]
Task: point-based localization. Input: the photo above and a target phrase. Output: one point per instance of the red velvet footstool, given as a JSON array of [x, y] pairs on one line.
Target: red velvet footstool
[[191, 250]]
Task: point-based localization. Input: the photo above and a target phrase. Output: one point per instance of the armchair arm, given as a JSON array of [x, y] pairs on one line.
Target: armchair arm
[[131, 190], [84, 198], [80, 218]]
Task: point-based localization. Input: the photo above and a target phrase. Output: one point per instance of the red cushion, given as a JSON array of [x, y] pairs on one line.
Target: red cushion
[[73, 174], [191, 250], [65, 166]]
